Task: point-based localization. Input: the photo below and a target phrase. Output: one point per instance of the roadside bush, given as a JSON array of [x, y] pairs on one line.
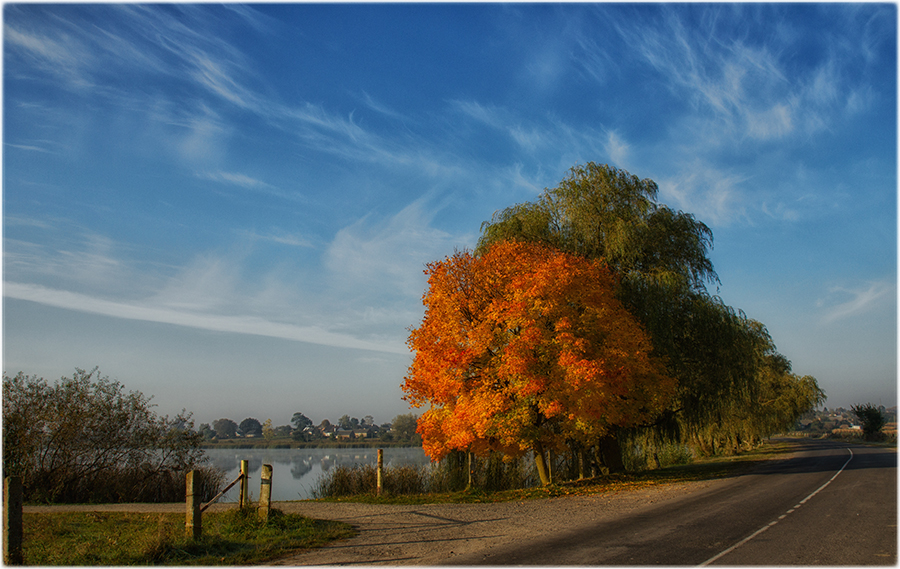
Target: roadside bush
[[871, 419], [84, 439], [406, 479], [645, 454], [674, 454]]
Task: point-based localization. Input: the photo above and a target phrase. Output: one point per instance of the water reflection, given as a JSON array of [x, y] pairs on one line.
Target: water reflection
[[295, 471]]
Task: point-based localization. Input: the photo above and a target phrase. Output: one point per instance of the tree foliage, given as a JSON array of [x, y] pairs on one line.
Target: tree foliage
[[733, 385], [527, 347], [206, 431], [300, 421], [403, 427], [86, 438], [268, 430], [250, 427], [225, 428], [871, 419], [600, 212]]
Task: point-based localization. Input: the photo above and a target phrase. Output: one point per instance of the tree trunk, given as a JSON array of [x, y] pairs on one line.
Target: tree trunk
[[612, 453], [540, 463]]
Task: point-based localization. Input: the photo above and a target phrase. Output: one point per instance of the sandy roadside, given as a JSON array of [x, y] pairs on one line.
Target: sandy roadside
[[436, 534]]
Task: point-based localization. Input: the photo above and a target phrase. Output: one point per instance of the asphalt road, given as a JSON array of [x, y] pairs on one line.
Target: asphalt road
[[830, 504]]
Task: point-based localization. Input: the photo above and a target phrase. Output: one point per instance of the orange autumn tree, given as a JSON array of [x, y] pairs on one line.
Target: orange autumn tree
[[527, 348]]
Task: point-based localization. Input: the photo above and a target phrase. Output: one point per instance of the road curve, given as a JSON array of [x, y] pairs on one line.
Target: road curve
[[829, 503]]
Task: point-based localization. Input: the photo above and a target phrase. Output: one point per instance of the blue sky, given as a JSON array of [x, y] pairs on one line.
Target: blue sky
[[229, 207]]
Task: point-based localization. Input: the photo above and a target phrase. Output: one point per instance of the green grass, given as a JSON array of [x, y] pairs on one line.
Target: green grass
[[113, 538]]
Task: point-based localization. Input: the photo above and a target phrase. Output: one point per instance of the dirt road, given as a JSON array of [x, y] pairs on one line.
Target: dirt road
[[437, 534]]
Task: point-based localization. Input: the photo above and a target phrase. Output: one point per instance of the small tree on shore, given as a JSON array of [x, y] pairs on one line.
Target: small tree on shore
[[225, 428], [871, 420], [250, 427], [268, 430], [403, 428]]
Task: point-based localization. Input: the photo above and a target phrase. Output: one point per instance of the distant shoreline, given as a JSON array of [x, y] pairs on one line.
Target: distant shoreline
[[283, 444]]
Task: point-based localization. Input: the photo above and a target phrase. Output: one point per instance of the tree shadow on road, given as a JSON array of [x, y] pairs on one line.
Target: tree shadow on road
[[778, 455]]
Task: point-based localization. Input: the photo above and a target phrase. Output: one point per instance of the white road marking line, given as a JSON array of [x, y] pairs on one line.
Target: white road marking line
[[765, 527]]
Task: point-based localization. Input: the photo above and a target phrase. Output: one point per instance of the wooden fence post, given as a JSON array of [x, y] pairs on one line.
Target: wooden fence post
[[265, 492], [12, 521], [193, 524], [245, 485], [379, 478]]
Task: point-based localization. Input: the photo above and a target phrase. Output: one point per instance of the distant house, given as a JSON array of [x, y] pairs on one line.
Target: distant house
[[350, 434]]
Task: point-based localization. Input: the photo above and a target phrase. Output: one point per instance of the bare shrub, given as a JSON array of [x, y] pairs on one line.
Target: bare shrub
[[84, 439]]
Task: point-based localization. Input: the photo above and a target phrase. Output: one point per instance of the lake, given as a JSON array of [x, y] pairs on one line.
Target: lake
[[296, 471]]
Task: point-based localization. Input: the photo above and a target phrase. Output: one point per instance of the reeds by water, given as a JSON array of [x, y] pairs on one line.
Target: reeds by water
[[449, 475]]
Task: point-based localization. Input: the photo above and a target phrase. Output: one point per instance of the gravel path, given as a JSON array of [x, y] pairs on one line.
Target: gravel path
[[435, 534]]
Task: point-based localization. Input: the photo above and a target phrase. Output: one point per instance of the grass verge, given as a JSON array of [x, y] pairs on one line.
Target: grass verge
[[114, 538]]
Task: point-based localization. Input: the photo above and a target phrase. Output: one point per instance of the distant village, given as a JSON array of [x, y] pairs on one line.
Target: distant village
[[301, 429], [840, 421]]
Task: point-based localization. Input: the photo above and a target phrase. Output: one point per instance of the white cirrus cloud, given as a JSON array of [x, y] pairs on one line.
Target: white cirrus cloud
[[711, 194], [235, 178], [29, 147], [250, 183], [743, 88], [861, 300], [63, 56], [390, 254], [280, 237], [240, 324]]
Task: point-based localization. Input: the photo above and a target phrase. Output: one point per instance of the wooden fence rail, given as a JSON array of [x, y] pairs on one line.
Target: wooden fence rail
[[193, 521], [222, 493]]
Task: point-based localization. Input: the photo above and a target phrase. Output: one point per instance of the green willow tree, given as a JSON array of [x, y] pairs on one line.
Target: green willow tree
[[661, 258], [600, 212]]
